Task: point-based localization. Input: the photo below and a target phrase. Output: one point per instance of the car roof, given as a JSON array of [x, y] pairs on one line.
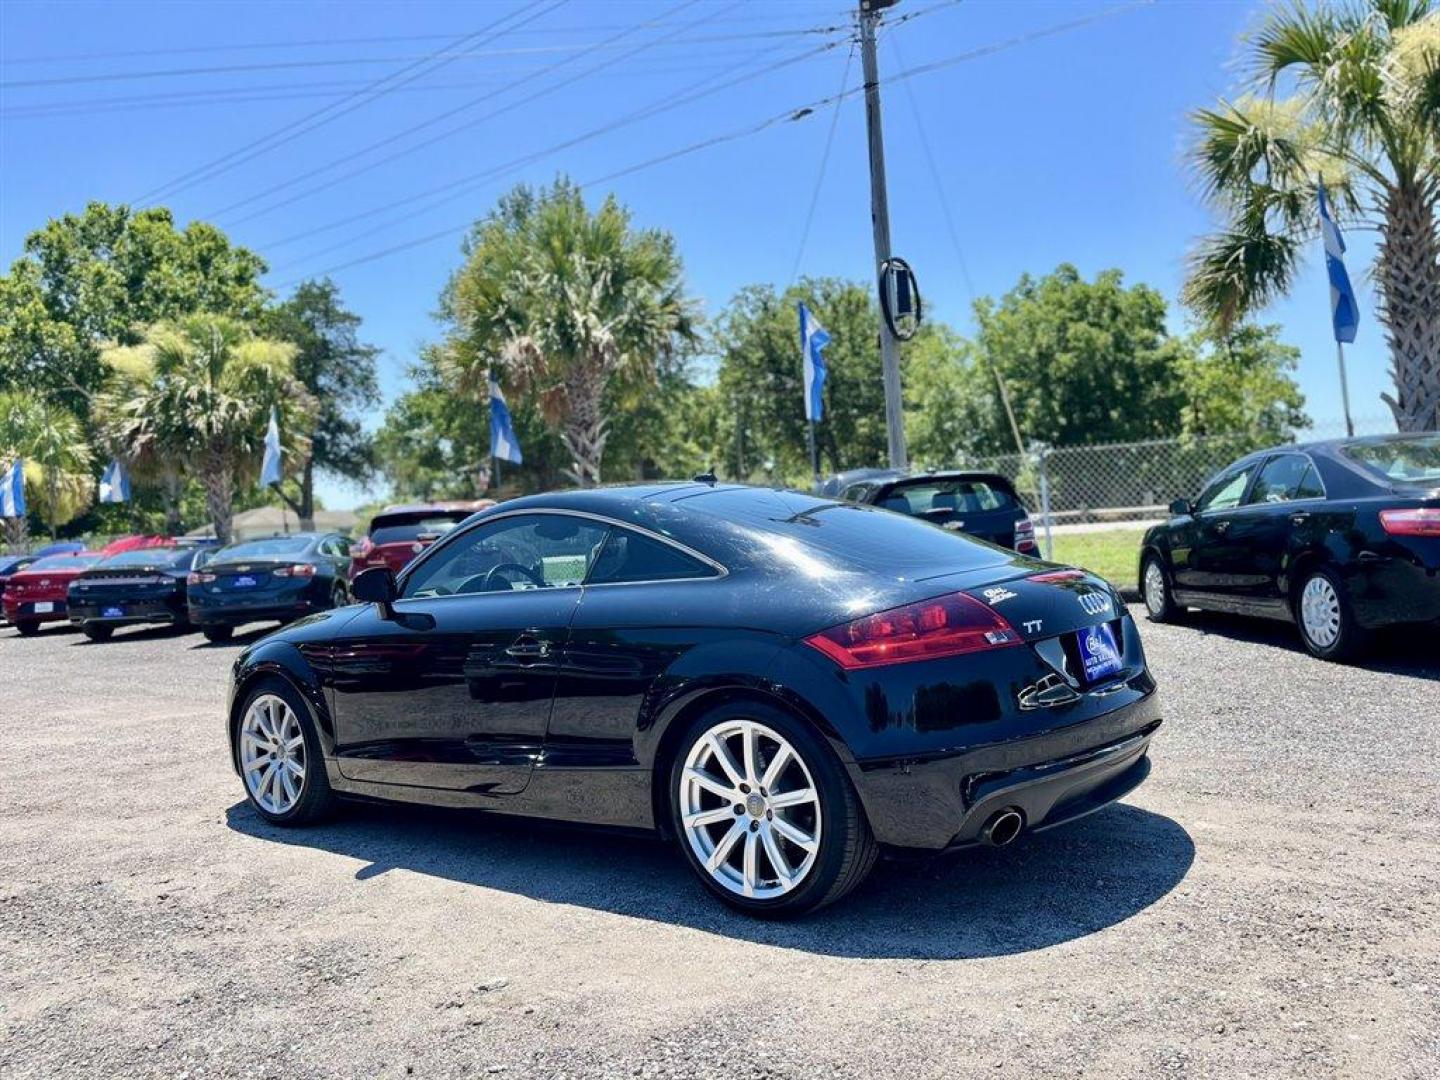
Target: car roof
[[425, 507]]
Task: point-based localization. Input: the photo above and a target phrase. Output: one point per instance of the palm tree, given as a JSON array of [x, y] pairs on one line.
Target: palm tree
[[196, 394], [562, 303], [1349, 93], [51, 441]]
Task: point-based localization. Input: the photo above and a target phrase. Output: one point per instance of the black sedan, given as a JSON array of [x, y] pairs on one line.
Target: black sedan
[[1341, 537], [786, 684], [275, 579], [142, 586], [979, 503]]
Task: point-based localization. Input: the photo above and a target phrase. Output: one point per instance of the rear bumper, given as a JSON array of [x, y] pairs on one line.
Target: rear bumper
[[135, 613], [1389, 591], [25, 612], [944, 801]]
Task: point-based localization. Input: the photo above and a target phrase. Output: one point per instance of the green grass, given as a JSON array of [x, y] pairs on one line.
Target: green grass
[[1112, 554]]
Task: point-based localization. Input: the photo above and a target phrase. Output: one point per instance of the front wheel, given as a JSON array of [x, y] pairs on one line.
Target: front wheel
[[1327, 624], [279, 755], [98, 631], [1160, 603], [218, 633], [765, 814], [28, 629]]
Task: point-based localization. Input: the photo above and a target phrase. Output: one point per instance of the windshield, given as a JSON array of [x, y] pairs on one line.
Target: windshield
[[64, 562], [957, 496], [1400, 461], [164, 557], [399, 529], [271, 545]]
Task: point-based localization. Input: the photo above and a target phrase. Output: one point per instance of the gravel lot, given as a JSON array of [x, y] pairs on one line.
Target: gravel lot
[[1267, 904]]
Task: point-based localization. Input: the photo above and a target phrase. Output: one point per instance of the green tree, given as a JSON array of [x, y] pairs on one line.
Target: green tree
[[1239, 383], [339, 372], [564, 304], [1084, 361], [51, 442], [205, 386], [100, 277], [1349, 92]]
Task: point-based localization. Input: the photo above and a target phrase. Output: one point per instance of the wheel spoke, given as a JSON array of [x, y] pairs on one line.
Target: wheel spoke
[[752, 862], [709, 817], [709, 783], [776, 767], [727, 763], [294, 744], [748, 738], [722, 849], [802, 840], [778, 862], [792, 798], [295, 769]]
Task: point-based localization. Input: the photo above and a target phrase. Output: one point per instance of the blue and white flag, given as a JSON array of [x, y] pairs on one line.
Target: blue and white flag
[[1344, 311], [503, 444], [270, 466], [12, 491], [813, 339], [114, 483]]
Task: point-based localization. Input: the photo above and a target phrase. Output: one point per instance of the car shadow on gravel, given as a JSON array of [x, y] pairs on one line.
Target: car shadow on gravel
[[238, 640], [1395, 651], [1043, 890]]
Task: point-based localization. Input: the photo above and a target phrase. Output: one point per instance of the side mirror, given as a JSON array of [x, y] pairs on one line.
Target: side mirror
[[1181, 508], [374, 586]]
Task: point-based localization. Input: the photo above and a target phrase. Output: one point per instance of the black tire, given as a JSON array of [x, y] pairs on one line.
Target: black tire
[[316, 797], [1159, 608], [97, 631], [1350, 638], [218, 633], [27, 628], [847, 849]]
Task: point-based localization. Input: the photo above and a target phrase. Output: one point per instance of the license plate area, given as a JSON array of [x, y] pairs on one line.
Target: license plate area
[[112, 612], [1098, 650], [44, 607], [243, 581]]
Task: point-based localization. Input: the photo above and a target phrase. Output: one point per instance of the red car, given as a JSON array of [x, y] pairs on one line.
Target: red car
[[399, 533], [36, 594]]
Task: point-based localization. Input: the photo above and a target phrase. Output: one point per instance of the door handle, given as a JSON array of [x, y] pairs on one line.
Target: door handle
[[529, 649]]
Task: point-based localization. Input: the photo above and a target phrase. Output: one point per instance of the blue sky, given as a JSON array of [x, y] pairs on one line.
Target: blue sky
[[1056, 147]]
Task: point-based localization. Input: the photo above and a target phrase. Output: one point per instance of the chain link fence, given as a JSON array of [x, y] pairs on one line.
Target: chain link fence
[[1132, 482]]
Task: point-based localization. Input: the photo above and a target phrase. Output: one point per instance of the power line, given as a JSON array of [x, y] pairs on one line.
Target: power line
[[824, 162], [461, 186], [360, 170], [793, 114], [318, 118]]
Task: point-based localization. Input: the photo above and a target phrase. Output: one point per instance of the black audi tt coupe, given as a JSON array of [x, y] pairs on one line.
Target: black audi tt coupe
[[1341, 537], [276, 578], [785, 684]]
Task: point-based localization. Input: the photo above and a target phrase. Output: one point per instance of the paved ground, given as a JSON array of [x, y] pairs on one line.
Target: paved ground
[[1267, 905]]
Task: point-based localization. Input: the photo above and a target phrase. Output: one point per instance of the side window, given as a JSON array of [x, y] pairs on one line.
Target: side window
[[1279, 481], [1311, 486], [629, 556], [527, 551], [1226, 491], [326, 547], [854, 493]]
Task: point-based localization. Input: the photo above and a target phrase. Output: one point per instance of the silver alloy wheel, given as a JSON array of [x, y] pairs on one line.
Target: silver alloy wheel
[[272, 754], [1154, 588], [1320, 611], [750, 809]]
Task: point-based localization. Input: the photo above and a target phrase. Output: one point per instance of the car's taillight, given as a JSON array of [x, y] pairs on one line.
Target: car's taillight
[[1422, 521], [197, 578], [1025, 534], [944, 626], [302, 569]]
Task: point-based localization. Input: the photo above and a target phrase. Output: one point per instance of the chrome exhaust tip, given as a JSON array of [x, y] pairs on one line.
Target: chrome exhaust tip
[[1003, 827]]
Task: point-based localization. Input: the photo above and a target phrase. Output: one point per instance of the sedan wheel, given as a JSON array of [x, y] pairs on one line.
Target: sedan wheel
[[1327, 627], [279, 758], [767, 817], [751, 810], [1159, 604]]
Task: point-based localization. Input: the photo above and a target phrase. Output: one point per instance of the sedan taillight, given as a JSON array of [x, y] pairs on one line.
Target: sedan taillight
[[302, 569], [945, 626], [198, 578], [1025, 535], [1421, 521]]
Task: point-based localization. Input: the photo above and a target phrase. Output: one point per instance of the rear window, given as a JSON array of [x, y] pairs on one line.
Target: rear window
[[1399, 461], [814, 535], [955, 496], [271, 545], [64, 562], [154, 556], [399, 529]]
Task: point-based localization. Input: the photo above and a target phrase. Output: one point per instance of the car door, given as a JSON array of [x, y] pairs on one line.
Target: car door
[[451, 687], [1203, 557], [1276, 512]]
